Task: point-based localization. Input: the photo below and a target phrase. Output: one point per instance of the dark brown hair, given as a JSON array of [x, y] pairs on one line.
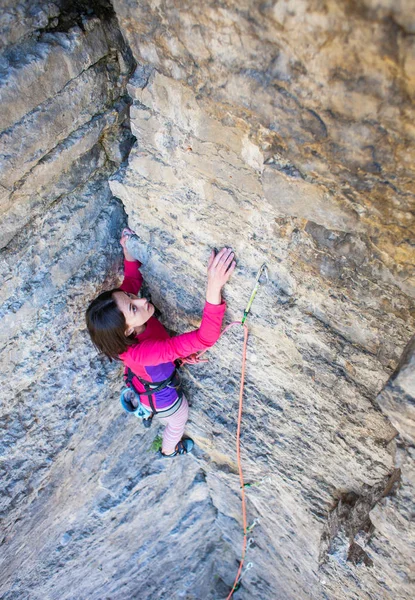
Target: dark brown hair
[[106, 325]]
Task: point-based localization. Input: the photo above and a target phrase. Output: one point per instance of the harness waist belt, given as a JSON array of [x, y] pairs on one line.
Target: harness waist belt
[[152, 387]]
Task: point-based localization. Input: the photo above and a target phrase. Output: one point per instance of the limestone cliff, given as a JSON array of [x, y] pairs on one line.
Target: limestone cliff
[[285, 130]]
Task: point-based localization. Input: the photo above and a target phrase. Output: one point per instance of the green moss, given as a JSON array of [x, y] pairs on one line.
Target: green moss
[[156, 444]]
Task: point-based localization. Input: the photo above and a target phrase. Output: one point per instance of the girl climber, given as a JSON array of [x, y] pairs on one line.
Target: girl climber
[[122, 326]]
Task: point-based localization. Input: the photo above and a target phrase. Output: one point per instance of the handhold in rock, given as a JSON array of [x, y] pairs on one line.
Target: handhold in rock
[[135, 246]]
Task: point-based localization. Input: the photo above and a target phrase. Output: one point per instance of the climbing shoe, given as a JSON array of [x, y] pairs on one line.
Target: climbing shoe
[[183, 447]]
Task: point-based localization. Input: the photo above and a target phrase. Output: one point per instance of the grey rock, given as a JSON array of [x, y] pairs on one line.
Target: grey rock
[[38, 69], [57, 118], [282, 130], [397, 399], [20, 19], [65, 167]]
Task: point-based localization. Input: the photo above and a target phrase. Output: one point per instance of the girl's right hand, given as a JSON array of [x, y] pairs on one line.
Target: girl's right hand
[[220, 268], [126, 233]]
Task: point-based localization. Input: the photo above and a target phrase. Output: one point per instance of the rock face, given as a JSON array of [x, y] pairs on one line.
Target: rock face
[[285, 130], [64, 130]]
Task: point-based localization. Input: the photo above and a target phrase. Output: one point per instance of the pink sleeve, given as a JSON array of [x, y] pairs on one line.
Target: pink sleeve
[[155, 352], [132, 277]]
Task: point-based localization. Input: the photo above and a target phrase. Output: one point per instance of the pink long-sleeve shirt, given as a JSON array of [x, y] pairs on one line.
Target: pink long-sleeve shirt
[[151, 358]]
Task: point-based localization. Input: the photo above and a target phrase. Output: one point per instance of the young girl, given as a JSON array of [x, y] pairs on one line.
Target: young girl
[[122, 326]]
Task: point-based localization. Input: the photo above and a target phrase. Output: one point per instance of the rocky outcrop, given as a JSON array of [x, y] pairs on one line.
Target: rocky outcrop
[[64, 130], [282, 129], [396, 399]]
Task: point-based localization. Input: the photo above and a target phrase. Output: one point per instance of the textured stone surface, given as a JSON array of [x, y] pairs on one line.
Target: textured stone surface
[[318, 86], [318, 355], [56, 123], [67, 130], [397, 399], [276, 129], [285, 130], [19, 19], [39, 69]]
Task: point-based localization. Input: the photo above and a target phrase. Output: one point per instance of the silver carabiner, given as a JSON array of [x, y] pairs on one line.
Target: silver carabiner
[[262, 277]]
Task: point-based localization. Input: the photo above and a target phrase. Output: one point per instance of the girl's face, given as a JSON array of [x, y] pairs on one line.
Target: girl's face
[[136, 311]]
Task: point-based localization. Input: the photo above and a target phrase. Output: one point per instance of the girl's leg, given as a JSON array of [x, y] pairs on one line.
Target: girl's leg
[[173, 432]]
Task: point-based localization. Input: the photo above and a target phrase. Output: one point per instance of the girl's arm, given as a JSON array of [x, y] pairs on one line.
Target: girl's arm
[[133, 279], [155, 352]]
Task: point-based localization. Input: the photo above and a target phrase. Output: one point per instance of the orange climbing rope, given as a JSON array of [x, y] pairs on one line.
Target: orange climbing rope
[[238, 457], [195, 358]]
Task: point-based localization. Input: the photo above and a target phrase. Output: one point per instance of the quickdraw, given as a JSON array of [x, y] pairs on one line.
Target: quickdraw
[[262, 273]]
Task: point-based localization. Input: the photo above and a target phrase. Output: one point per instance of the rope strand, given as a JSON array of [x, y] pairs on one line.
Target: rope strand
[[238, 455]]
